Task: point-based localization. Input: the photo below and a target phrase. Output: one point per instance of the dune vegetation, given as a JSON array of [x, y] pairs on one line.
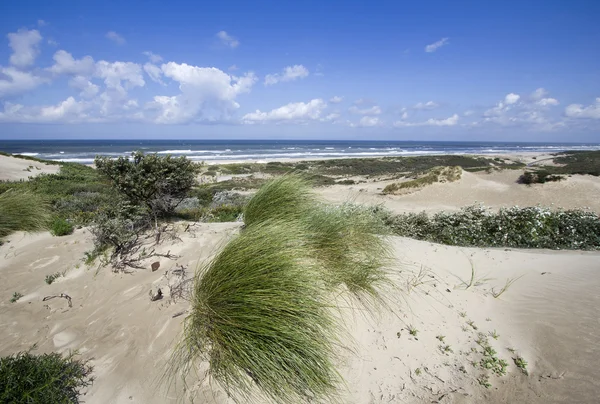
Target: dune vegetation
[[22, 211], [263, 309]]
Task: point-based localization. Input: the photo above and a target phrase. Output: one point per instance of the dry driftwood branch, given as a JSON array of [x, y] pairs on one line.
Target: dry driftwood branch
[[63, 295]]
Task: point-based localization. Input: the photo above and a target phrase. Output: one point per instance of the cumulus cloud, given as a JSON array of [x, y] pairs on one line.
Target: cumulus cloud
[[116, 38], [369, 121], [290, 73], [544, 102], [429, 105], [207, 94], [227, 39], [16, 82], [88, 89], [65, 63], [450, 121], [153, 57], [511, 98], [154, 72], [374, 110], [296, 111], [336, 100], [436, 45], [25, 46], [67, 111], [580, 111], [538, 94]]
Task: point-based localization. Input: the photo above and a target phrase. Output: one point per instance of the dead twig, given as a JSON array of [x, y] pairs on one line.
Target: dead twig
[[63, 295]]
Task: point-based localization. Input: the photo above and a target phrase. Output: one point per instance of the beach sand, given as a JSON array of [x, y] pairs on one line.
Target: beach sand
[[549, 316], [15, 169]]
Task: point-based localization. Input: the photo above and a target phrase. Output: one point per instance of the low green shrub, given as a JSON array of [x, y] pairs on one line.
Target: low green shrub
[[527, 227], [436, 174], [538, 177], [48, 378], [61, 227], [52, 277]]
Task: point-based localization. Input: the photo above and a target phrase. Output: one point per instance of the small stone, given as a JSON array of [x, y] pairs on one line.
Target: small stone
[[155, 266]]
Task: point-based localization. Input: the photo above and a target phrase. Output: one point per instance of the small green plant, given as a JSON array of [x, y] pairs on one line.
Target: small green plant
[[507, 285], [521, 364], [446, 349], [494, 334], [47, 378], [462, 314], [440, 338], [488, 319], [61, 227], [15, 297], [511, 350], [484, 380], [412, 330], [464, 328], [418, 371], [472, 324], [52, 277]]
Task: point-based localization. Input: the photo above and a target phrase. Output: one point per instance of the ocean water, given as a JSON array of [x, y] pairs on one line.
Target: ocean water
[[84, 151]]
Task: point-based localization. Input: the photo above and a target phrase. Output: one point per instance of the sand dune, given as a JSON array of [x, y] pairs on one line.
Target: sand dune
[[129, 337], [15, 169]]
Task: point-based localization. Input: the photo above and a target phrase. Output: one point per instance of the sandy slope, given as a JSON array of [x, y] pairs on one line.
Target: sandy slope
[[129, 338], [498, 189], [15, 169]]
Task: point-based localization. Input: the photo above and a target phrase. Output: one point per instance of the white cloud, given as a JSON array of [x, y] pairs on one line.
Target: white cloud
[[88, 89], [429, 105], [336, 100], [207, 94], [64, 63], [227, 39], [25, 46], [17, 82], [67, 111], [290, 73], [117, 72], [434, 46], [233, 68], [404, 115], [374, 110], [153, 57], [334, 116], [544, 102], [468, 112], [582, 112], [116, 38], [511, 98], [538, 94], [369, 121], [450, 121], [296, 111], [154, 72]]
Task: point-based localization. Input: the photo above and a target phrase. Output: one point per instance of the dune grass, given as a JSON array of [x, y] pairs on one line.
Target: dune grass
[[349, 241], [287, 198], [261, 318], [22, 211]]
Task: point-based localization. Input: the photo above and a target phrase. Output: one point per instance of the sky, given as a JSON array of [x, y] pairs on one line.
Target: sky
[[430, 70]]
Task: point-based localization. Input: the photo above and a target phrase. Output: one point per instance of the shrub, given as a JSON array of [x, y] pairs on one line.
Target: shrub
[[22, 211], [158, 183], [46, 378], [538, 177], [285, 198], [61, 227], [52, 277], [528, 227], [436, 174], [260, 318]]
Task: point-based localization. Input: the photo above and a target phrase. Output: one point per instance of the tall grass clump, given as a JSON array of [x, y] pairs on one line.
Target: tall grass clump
[[288, 197], [22, 211], [48, 378], [261, 318], [350, 243]]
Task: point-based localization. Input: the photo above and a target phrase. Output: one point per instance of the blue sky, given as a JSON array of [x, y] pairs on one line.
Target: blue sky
[[437, 70]]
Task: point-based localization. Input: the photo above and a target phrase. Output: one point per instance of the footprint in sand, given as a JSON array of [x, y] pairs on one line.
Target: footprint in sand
[[44, 262]]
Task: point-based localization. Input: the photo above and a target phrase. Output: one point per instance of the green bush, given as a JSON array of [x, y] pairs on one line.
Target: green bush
[[22, 211], [46, 378], [61, 227], [538, 177], [158, 183], [528, 227], [260, 318]]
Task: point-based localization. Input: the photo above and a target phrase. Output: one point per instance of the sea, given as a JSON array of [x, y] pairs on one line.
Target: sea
[[84, 151]]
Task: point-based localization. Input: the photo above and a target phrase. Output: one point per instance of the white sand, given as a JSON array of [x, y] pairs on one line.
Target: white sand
[[15, 169]]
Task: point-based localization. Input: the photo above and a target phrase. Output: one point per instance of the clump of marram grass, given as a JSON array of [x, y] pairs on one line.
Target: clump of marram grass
[[349, 241], [261, 318], [22, 211], [285, 198]]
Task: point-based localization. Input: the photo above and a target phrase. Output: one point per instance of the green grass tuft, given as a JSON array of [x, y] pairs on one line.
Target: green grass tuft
[[22, 211], [288, 197], [46, 378], [61, 227], [261, 319]]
